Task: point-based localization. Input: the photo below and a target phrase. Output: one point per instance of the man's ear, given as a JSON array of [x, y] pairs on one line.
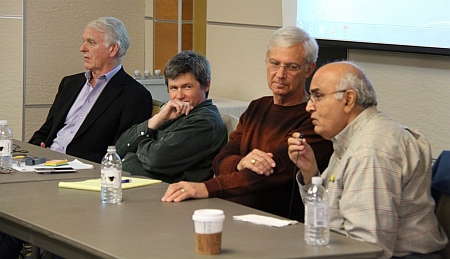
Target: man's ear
[[114, 49], [350, 100], [310, 69], [208, 85]]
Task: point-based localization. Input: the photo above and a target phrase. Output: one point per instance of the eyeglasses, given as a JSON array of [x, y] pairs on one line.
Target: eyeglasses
[[290, 69], [314, 97], [16, 149]]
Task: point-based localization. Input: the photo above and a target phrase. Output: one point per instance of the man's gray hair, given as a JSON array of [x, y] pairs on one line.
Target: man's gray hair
[[285, 37], [357, 80], [115, 32]]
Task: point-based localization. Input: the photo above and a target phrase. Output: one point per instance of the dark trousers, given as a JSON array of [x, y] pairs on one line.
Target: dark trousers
[[10, 246], [435, 255]]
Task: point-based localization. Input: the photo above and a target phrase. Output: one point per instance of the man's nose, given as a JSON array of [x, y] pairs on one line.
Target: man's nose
[[180, 93], [83, 47], [310, 106], [281, 71]]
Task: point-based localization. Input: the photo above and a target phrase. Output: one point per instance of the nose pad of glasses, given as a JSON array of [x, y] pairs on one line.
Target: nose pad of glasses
[[283, 70]]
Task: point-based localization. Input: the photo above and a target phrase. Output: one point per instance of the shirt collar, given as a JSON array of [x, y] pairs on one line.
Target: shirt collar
[[343, 138], [107, 76]]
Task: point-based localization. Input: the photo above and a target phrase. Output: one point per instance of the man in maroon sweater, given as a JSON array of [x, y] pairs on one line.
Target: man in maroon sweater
[[254, 168]]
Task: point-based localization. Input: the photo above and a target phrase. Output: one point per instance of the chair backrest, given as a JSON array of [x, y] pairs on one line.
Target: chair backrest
[[443, 216], [230, 122], [441, 194], [157, 105]]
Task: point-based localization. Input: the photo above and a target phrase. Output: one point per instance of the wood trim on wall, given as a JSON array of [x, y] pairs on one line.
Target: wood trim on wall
[[165, 13], [199, 30]]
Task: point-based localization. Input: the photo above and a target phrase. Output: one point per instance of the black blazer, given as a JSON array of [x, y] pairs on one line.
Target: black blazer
[[123, 103]]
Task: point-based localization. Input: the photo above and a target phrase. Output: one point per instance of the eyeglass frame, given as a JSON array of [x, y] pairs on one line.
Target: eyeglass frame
[[289, 69], [313, 96]]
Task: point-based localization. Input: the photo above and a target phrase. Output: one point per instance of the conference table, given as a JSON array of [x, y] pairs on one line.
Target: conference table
[[75, 224]]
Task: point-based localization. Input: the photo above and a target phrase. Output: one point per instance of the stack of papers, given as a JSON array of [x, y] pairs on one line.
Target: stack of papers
[[264, 220], [75, 164], [95, 184], [57, 162]]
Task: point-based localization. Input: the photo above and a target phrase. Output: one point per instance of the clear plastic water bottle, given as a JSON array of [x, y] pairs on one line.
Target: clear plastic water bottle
[[158, 74], [147, 75], [111, 177], [6, 139], [317, 229], [137, 75]]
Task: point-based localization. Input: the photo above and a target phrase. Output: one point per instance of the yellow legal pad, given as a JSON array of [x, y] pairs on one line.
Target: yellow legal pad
[[94, 184]]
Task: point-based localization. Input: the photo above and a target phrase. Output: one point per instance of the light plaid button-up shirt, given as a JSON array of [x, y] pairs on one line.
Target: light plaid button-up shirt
[[378, 182]]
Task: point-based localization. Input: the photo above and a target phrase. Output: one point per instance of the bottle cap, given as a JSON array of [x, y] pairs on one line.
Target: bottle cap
[[157, 71], [316, 180], [147, 71], [137, 72], [3, 122], [111, 148]]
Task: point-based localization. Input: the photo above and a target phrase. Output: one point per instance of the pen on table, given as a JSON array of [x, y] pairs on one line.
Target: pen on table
[[126, 180]]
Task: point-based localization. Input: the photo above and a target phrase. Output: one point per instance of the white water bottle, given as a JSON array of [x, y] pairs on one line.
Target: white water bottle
[[147, 75], [317, 229], [158, 74], [111, 177], [137, 75], [6, 139]]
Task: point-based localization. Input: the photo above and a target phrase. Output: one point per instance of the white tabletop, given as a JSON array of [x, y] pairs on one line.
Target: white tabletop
[[229, 106]]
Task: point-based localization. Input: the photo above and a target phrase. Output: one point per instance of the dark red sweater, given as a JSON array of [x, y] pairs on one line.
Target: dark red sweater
[[267, 127]]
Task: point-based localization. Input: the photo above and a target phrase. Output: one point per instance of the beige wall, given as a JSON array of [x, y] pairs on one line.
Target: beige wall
[[412, 88], [11, 86], [236, 38]]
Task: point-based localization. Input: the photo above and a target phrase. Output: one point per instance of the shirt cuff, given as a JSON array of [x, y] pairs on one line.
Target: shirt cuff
[[300, 179], [144, 130]]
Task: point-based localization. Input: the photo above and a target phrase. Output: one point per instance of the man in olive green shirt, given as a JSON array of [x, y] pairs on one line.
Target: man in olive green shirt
[[181, 141]]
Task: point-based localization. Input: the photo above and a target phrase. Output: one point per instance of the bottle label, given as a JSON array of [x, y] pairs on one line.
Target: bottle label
[[5, 147], [320, 216], [111, 177]]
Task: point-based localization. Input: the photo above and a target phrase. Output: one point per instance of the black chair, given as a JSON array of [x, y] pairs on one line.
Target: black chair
[[440, 188]]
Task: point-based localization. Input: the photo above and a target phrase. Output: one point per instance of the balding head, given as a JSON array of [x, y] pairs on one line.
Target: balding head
[[340, 91], [348, 76]]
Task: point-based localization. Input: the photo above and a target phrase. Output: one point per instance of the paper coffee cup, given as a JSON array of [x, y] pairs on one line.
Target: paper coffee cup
[[208, 230]]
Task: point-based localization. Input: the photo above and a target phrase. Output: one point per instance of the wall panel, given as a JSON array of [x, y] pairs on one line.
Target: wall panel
[[237, 61], [11, 86], [11, 8], [413, 89], [257, 12], [236, 42]]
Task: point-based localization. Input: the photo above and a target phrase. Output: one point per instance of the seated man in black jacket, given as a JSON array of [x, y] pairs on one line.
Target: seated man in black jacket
[[92, 109]]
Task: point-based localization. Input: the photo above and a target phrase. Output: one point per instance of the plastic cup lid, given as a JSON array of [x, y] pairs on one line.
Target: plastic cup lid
[[208, 215]]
